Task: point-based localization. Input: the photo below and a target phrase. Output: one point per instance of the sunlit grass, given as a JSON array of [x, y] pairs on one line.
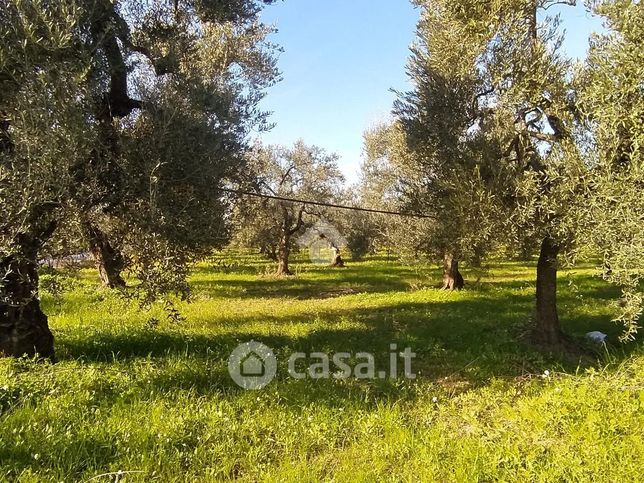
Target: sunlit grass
[[153, 399]]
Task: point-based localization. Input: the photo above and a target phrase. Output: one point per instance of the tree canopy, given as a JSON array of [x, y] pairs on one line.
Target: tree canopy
[[504, 140], [299, 172], [119, 120], [125, 130]]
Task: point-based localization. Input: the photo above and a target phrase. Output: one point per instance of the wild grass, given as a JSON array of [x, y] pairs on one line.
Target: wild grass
[[136, 397]]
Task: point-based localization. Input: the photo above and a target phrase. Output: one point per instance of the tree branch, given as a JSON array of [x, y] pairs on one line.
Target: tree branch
[[300, 221], [288, 171], [542, 136], [116, 102]]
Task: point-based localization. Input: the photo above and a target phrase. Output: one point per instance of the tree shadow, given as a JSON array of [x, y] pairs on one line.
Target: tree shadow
[[470, 341], [460, 343], [316, 282]]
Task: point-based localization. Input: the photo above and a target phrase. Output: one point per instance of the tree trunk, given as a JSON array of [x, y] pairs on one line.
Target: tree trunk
[[338, 262], [547, 332], [283, 253], [452, 278], [23, 325], [109, 261]]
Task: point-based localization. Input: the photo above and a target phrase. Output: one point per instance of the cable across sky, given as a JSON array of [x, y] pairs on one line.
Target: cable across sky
[[319, 203]]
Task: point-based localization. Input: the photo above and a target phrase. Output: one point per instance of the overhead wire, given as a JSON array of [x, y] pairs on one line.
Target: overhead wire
[[320, 203]]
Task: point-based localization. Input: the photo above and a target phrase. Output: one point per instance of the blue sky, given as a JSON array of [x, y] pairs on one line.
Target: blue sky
[[340, 60]]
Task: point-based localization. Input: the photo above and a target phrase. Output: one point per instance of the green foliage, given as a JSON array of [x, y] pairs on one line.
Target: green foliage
[[157, 403], [55, 283], [359, 236], [612, 98], [43, 101], [125, 117], [299, 172], [505, 141], [442, 144]]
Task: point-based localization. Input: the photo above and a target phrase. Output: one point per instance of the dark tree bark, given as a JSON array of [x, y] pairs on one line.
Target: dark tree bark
[[338, 262], [283, 253], [547, 332], [109, 260], [115, 103], [23, 325], [284, 246], [452, 278]]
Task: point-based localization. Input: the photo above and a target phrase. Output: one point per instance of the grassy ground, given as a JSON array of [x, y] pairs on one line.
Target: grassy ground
[[136, 394]]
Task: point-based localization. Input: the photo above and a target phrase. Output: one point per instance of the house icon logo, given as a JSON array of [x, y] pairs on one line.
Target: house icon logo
[[252, 365]]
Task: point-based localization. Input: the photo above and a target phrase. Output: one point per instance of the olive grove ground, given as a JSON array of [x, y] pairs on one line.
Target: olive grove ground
[[136, 394]]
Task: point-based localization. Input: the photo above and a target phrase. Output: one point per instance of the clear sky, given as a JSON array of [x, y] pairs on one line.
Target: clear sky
[[340, 60]]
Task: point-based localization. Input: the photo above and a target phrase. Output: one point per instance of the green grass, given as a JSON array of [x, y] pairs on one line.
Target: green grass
[[155, 401]]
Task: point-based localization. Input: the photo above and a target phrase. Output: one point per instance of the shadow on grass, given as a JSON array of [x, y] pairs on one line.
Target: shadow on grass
[[312, 284], [460, 345], [474, 340], [470, 340]]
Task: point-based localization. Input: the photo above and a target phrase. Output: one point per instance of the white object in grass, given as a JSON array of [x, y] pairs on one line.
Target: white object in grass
[[597, 336]]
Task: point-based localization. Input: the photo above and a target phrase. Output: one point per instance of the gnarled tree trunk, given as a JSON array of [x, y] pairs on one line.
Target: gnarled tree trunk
[[547, 332], [337, 262], [283, 252], [452, 278], [284, 246], [109, 261], [23, 325]]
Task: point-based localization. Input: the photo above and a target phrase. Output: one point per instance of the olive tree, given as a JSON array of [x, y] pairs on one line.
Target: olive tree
[[300, 172], [612, 100], [442, 142], [119, 120], [500, 113]]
